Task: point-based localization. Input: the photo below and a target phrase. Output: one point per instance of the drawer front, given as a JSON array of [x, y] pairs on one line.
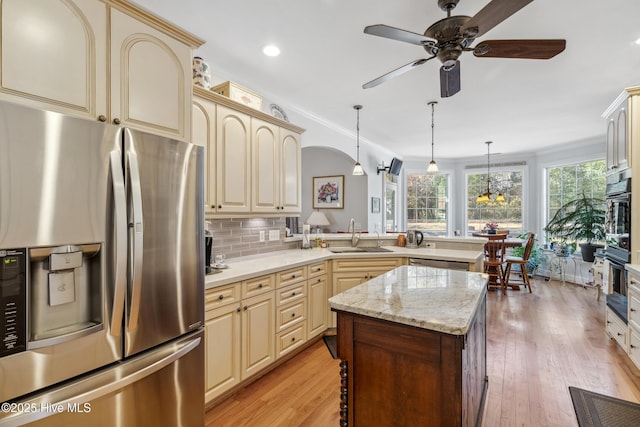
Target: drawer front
[[634, 346], [291, 314], [258, 286], [634, 282], [616, 328], [369, 264], [291, 339], [318, 269], [634, 308], [291, 293], [218, 297], [293, 275]]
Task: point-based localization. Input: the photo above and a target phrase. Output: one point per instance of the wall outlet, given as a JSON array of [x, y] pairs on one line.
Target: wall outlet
[[274, 234], [262, 235]]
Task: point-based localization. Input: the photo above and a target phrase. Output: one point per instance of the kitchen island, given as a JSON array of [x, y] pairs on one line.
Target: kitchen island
[[413, 348]]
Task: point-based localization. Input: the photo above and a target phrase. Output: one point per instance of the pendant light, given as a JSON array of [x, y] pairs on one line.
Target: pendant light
[[433, 167], [487, 196], [357, 168]]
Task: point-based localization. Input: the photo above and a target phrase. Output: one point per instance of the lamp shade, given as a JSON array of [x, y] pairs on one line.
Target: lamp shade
[[317, 218]]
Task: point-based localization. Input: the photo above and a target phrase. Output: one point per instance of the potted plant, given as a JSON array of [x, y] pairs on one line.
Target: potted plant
[[492, 228], [581, 219]]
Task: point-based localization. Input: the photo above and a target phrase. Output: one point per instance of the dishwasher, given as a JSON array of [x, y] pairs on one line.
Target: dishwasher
[[451, 265]]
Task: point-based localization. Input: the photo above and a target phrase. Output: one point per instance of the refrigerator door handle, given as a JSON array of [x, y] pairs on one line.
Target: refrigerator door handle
[[93, 392], [137, 241], [120, 273]]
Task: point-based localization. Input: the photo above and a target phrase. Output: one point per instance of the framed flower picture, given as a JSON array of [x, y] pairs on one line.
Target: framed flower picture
[[328, 192]]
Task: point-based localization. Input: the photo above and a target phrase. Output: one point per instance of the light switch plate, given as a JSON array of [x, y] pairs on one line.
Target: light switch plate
[[262, 235], [274, 234]]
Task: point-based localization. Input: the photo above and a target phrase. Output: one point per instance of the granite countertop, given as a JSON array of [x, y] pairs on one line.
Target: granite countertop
[[425, 297], [243, 268]]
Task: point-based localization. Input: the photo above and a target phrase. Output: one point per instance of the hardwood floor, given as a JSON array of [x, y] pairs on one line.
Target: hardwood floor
[[538, 345]]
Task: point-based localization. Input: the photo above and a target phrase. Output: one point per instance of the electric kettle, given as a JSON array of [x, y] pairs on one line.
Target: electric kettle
[[414, 238]]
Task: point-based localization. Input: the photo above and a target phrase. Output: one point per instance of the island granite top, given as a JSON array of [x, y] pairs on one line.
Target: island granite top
[[425, 297]]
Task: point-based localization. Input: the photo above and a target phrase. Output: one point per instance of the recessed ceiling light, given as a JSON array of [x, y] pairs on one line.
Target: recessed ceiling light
[[638, 41], [271, 50]]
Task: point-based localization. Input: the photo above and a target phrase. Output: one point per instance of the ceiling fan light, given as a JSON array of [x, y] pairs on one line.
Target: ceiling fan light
[[433, 167], [357, 169], [500, 198]]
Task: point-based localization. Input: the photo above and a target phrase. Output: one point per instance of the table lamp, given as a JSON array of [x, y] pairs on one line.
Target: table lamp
[[317, 219]]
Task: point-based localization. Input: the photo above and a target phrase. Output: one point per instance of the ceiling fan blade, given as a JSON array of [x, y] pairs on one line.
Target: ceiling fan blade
[[492, 14], [525, 49], [450, 80], [396, 72], [392, 33]]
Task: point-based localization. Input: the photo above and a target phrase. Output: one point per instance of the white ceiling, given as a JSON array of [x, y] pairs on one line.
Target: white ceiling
[[521, 105]]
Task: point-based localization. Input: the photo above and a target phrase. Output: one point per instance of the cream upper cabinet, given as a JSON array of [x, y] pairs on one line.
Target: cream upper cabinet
[[290, 171], [253, 159], [618, 133], [55, 56], [233, 161], [265, 155], [151, 78], [203, 133], [276, 165]]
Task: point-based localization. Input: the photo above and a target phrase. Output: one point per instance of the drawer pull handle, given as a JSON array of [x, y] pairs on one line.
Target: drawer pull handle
[[260, 285], [293, 315], [293, 294], [619, 334], [293, 339], [221, 297]]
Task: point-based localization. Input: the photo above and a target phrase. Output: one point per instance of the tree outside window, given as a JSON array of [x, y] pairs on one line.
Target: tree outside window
[[507, 215], [566, 183], [428, 203]]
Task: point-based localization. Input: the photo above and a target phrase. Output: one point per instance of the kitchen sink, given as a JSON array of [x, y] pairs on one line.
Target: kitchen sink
[[346, 249], [358, 249]]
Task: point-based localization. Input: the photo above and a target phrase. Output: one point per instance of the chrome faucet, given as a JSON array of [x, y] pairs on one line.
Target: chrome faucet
[[378, 241], [352, 229]]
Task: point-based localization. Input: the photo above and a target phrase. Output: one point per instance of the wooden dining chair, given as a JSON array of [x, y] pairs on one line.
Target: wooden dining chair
[[522, 262], [493, 261]]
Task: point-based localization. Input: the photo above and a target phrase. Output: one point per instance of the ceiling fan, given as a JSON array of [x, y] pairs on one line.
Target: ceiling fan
[[449, 37]]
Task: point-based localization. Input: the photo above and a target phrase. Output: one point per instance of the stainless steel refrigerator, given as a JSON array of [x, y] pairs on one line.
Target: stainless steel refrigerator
[[101, 274]]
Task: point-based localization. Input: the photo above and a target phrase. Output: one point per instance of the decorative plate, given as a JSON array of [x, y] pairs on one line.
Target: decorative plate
[[278, 113]]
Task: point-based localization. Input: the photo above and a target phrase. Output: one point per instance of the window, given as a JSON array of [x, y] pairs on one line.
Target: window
[[565, 183], [507, 215], [428, 203]]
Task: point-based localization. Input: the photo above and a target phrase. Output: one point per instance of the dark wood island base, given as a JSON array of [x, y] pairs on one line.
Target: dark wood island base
[[399, 375]]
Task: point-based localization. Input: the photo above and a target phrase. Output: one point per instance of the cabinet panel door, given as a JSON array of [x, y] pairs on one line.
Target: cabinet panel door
[[611, 145], [290, 188], [258, 333], [203, 133], [222, 338], [266, 166], [622, 150], [54, 55], [150, 78], [318, 306], [233, 161]]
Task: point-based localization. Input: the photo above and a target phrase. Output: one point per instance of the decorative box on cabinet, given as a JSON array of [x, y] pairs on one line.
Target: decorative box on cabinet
[[146, 54]]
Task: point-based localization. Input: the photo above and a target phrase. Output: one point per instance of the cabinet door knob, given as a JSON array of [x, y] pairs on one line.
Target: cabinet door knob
[[102, 118], [238, 310], [219, 206], [221, 297], [245, 308], [116, 121]]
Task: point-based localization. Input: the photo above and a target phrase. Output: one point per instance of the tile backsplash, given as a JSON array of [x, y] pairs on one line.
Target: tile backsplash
[[241, 236]]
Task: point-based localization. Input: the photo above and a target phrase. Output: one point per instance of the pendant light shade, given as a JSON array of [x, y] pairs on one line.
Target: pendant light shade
[[357, 168], [433, 167], [487, 197]]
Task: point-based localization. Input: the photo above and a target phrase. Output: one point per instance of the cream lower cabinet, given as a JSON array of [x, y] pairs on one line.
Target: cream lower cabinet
[[317, 299], [66, 66], [291, 309], [239, 333], [633, 332]]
